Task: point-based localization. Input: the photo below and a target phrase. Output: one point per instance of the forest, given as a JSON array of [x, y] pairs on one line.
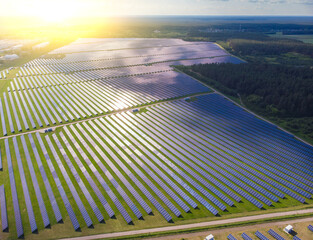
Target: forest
[[281, 93], [270, 47]]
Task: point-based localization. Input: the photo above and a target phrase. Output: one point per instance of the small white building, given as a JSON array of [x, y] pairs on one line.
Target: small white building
[[209, 237], [288, 229]]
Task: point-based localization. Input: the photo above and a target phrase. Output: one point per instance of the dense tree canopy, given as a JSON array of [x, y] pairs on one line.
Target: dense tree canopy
[[277, 89], [274, 47]]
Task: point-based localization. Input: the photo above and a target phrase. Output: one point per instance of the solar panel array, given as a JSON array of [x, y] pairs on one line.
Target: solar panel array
[[61, 103], [310, 227], [169, 160]]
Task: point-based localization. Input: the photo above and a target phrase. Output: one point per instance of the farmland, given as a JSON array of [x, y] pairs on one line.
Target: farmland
[[133, 143]]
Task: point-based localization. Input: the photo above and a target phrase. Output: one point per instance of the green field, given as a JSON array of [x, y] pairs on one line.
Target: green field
[[303, 37]]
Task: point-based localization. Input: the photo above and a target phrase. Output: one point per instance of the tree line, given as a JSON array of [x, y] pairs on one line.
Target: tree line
[[276, 90]]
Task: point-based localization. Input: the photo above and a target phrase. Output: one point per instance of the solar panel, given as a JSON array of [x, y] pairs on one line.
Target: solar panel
[[136, 181], [149, 172], [8, 113], [28, 111], [77, 177], [57, 181], [241, 184], [245, 236], [96, 173], [275, 235], [69, 182], [296, 238], [196, 195], [254, 172], [260, 236], [231, 237], [310, 227], [4, 215], [4, 129], [51, 196], [29, 207], [16, 206], [21, 112], [41, 203]]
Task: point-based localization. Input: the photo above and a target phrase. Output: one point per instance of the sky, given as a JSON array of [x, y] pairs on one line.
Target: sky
[[58, 10]]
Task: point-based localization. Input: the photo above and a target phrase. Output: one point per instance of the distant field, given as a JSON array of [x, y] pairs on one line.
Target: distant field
[[304, 38]]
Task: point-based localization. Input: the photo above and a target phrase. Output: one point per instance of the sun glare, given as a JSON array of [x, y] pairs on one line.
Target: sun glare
[[55, 11]]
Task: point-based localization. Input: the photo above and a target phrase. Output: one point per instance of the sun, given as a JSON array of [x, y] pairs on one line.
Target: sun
[[56, 11]]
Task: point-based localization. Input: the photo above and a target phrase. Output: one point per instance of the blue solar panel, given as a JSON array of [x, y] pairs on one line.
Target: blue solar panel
[[164, 137], [69, 182], [28, 111], [37, 106], [18, 124], [191, 191], [77, 177], [16, 206], [231, 237], [41, 203], [52, 199], [276, 185], [4, 215], [245, 236], [20, 111], [166, 153], [150, 173], [296, 238], [29, 207], [8, 113], [96, 173], [275, 235], [260, 236], [138, 183], [104, 185], [226, 156], [57, 181], [310, 227], [4, 129], [147, 161], [170, 135], [116, 159]]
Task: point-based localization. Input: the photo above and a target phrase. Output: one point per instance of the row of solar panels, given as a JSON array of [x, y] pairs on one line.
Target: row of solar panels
[[85, 191], [71, 102], [126, 53], [284, 158], [156, 122], [260, 236], [201, 117], [123, 62], [159, 143], [113, 73], [117, 44]]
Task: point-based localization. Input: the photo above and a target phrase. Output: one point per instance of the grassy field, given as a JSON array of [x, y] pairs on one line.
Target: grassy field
[[304, 38]]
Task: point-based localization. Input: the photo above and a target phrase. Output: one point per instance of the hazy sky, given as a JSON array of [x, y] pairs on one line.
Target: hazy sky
[[62, 8]]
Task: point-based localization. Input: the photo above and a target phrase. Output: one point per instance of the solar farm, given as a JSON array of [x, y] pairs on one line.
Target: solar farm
[[110, 137]]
